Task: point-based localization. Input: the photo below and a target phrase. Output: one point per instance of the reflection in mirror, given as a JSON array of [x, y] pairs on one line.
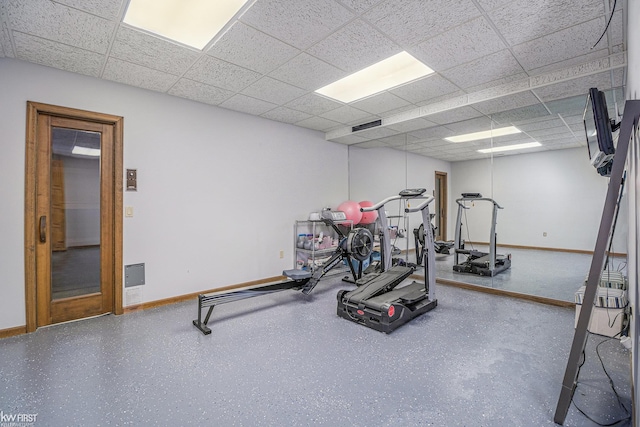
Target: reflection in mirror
[[551, 195], [75, 213]]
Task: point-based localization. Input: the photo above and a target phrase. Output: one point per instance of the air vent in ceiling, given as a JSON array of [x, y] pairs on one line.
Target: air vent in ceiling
[[366, 125]]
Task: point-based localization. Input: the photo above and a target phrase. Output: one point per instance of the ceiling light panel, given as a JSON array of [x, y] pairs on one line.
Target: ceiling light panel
[[386, 74], [493, 133], [510, 147], [191, 22]]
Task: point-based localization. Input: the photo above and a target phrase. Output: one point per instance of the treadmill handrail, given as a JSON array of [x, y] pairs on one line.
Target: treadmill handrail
[[390, 199], [473, 199], [421, 206]]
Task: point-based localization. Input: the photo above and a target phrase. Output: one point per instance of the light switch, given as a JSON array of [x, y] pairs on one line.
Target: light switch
[[128, 211]]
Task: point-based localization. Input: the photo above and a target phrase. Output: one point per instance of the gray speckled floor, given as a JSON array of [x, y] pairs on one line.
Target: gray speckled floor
[[286, 359]]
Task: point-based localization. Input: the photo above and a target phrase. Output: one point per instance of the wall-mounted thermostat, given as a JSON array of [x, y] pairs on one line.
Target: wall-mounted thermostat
[[132, 180]]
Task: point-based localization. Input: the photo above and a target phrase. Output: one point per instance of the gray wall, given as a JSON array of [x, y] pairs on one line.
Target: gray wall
[[218, 191]]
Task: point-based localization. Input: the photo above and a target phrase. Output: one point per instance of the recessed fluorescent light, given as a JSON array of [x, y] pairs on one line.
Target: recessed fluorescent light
[[486, 134], [191, 22], [86, 151], [391, 72], [510, 147]]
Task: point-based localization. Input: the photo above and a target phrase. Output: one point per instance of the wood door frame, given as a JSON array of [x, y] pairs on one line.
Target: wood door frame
[[444, 209], [34, 109]]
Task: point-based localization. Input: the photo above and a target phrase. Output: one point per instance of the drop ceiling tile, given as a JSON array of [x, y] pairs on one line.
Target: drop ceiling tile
[[313, 104], [354, 47], [546, 123], [464, 43], [272, 90], [200, 92], [6, 49], [412, 21], [571, 120], [437, 132], [346, 115], [57, 22], [437, 100], [518, 114], [152, 52], [509, 102], [299, 23], [577, 60], [514, 80], [425, 89], [488, 5], [615, 31], [360, 5], [109, 9], [137, 75], [486, 69], [246, 104], [455, 115], [558, 132], [412, 125], [572, 105], [524, 20], [216, 72], [468, 126], [318, 123], [557, 47], [579, 86], [307, 72], [57, 55], [286, 115], [249, 48], [380, 103]]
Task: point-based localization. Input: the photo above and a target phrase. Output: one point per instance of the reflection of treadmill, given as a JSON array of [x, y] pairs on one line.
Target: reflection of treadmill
[[379, 302], [482, 263]]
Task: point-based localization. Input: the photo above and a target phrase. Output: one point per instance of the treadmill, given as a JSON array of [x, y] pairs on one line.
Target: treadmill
[[379, 302], [477, 262]]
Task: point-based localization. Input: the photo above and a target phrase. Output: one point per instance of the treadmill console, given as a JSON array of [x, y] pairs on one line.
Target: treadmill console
[[472, 195], [412, 192]]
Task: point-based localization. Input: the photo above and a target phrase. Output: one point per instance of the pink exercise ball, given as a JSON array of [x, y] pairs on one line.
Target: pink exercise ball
[[352, 210], [368, 217]]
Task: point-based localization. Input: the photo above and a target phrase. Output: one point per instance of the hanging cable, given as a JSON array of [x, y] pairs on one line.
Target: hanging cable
[[608, 22]]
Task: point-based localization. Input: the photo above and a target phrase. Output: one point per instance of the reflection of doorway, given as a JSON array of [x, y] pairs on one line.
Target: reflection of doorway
[[440, 194], [73, 215]]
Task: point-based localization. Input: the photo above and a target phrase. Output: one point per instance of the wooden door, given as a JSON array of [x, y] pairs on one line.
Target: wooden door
[[440, 194], [73, 225]]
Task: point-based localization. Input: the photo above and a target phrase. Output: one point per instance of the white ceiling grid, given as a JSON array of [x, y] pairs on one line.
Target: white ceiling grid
[[520, 62]]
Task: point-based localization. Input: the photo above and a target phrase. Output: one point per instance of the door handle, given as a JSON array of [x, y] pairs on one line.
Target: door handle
[[43, 229]]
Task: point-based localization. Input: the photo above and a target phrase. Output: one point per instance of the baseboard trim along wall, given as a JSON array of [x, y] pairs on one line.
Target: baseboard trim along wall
[[19, 330], [502, 292], [10, 332]]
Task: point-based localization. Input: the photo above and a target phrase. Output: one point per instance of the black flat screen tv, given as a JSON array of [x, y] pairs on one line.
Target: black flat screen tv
[[598, 132]]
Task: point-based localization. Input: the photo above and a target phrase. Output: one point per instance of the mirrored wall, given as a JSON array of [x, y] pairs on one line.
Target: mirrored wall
[[547, 196]]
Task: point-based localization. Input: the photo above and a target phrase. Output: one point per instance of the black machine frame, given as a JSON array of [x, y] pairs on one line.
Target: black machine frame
[[357, 244], [379, 302], [477, 262], [630, 120]]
